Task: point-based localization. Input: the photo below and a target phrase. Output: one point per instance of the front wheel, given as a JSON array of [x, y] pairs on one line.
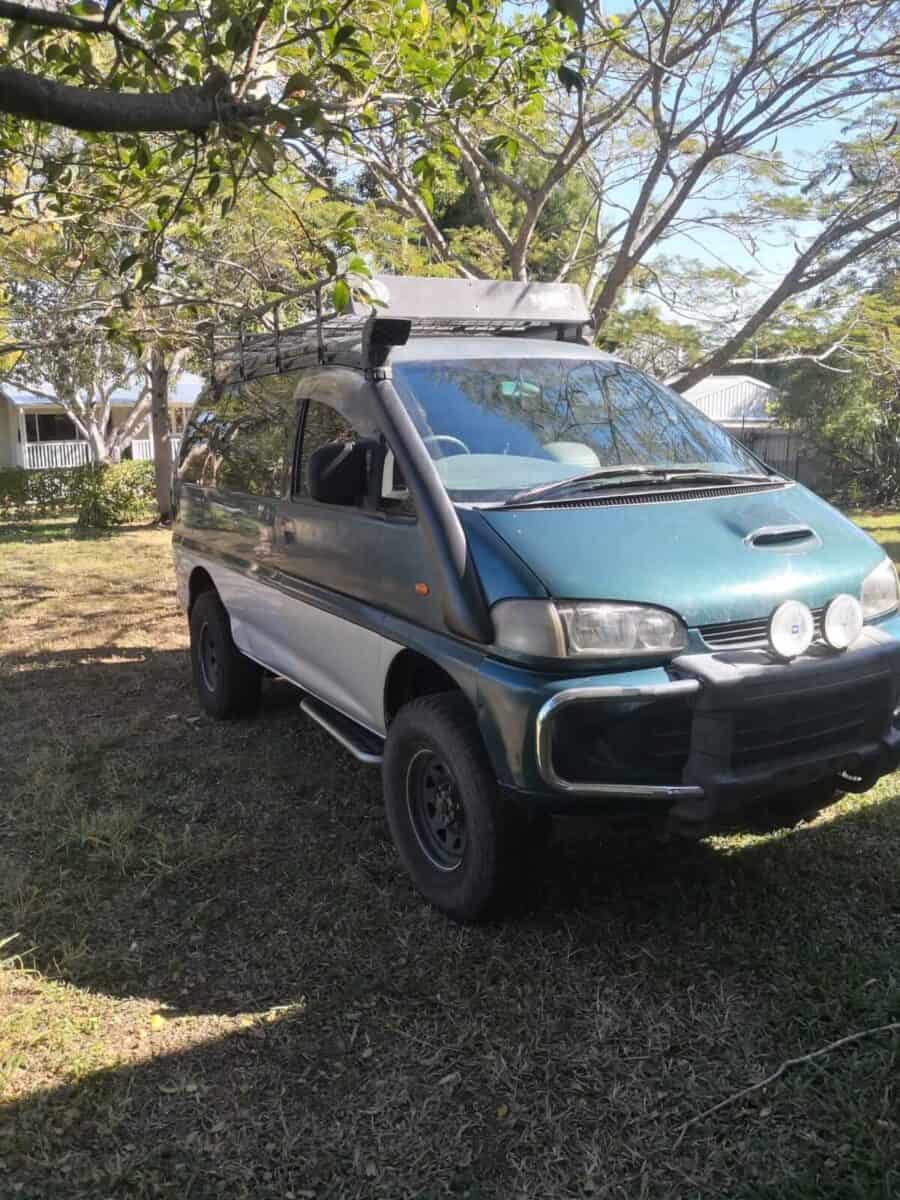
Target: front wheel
[[456, 833]]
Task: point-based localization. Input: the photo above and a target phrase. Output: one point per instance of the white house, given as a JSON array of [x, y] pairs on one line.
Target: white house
[[38, 433], [744, 406], [735, 401]]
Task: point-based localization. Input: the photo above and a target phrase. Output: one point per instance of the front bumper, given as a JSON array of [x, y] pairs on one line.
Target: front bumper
[[710, 734]]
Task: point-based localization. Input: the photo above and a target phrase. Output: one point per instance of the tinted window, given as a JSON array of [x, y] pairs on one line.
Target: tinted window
[[495, 426], [321, 424], [243, 442]]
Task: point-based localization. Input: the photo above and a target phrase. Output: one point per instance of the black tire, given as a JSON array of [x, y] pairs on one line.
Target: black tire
[[226, 681], [470, 871]]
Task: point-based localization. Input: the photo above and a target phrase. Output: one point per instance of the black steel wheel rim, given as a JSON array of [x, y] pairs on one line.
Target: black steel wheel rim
[[209, 659], [436, 810]]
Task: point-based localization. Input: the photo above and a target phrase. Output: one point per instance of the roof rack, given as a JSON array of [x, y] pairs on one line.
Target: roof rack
[[365, 336]]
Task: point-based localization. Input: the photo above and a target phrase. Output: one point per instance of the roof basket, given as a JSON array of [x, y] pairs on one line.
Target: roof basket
[[401, 307]]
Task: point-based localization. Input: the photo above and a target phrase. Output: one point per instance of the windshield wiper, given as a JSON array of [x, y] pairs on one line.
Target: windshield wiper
[[614, 476]]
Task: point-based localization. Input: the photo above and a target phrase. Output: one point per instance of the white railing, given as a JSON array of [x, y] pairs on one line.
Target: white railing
[[56, 454], [142, 448], [76, 453]]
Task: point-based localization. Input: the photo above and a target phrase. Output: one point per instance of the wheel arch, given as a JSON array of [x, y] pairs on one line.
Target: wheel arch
[[411, 675], [199, 581]]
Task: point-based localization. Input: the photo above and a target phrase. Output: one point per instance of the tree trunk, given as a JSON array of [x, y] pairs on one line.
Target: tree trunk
[[159, 421], [97, 442]]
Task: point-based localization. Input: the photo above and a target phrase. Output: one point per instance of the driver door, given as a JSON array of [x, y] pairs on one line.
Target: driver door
[[341, 568]]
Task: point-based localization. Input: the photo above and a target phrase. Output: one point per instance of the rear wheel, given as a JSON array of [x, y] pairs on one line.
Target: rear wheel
[[458, 836], [226, 681]]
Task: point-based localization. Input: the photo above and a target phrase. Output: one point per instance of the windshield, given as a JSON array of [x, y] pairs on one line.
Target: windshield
[[496, 427]]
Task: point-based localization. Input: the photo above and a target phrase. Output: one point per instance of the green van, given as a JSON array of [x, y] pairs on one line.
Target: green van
[[525, 579]]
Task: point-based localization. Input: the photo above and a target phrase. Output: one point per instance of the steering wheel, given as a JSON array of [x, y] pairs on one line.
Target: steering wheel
[[449, 439]]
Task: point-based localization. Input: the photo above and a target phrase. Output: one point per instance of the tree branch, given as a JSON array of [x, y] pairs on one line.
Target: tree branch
[[44, 18], [98, 110], [892, 1027]]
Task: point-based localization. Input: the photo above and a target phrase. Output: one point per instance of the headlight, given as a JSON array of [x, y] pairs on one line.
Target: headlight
[[880, 593], [593, 629]]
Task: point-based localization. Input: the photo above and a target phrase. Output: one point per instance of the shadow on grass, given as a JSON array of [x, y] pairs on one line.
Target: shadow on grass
[[59, 529], [233, 868]]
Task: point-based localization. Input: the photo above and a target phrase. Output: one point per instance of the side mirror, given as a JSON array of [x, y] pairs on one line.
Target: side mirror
[[338, 472]]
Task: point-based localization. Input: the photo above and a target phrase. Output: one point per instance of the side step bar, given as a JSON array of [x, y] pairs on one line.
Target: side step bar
[[361, 743]]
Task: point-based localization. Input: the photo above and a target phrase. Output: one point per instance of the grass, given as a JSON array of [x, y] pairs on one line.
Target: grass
[[220, 984]]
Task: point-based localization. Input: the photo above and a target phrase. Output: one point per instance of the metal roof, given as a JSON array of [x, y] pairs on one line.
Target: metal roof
[[734, 399]]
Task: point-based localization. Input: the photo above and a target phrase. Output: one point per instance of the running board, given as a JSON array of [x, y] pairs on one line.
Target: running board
[[361, 743]]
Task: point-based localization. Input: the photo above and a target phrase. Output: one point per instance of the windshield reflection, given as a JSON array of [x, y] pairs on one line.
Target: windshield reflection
[[497, 426]]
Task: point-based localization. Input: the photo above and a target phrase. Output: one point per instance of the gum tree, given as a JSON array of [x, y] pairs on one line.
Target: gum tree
[[683, 120]]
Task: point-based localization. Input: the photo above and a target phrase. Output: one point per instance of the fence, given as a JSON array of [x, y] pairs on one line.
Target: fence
[[56, 454], [142, 448], [49, 455]]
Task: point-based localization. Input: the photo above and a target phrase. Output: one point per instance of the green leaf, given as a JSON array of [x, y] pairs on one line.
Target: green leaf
[[427, 198], [148, 274], [128, 262], [344, 36], [340, 295], [264, 157], [462, 88], [298, 82]]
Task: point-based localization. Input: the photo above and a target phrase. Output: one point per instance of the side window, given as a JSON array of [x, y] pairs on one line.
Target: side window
[[243, 442], [322, 423]]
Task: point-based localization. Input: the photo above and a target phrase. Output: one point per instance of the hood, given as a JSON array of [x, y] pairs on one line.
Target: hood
[[694, 556]]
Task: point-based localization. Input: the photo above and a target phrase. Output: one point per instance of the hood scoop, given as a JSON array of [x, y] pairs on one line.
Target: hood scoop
[[778, 537]]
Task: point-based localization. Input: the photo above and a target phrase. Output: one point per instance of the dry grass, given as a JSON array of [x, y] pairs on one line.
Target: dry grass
[[225, 987]]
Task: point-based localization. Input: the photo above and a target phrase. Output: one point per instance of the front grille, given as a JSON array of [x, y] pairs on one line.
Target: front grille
[[666, 496], [803, 724], [745, 635]]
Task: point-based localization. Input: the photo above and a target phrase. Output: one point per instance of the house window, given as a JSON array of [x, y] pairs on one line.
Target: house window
[[50, 427]]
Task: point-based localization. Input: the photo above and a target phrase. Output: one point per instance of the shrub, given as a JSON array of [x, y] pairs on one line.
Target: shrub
[[101, 494], [113, 494]]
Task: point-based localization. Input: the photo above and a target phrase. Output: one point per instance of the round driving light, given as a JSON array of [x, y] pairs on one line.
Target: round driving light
[[843, 622], [791, 629]]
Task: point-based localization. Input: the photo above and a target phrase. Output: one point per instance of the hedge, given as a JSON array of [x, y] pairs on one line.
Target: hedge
[[101, 494]]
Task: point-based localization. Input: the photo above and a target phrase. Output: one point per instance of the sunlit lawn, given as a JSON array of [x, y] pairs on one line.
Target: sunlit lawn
[[219, 982]]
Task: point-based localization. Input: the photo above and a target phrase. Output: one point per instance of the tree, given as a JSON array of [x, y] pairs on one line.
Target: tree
[[67, 360], [176, 109], [672, 114], [850, 410]]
